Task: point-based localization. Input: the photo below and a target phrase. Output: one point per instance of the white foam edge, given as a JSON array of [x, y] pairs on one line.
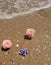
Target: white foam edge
[[23, 13]]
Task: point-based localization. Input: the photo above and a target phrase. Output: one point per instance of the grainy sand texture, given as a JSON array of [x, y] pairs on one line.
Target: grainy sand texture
[[39, 47]]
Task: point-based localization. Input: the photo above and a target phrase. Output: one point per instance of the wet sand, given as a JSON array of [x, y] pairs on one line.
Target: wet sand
[[40, 45]]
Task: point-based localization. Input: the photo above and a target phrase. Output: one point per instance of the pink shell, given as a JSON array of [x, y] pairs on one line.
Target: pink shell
[[6, 44], [30, 32]]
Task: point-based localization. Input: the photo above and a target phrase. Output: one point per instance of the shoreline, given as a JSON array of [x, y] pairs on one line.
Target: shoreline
[[32, 10]]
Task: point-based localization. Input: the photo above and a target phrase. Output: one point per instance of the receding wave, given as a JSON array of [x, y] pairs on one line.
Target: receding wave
[[13, 8]]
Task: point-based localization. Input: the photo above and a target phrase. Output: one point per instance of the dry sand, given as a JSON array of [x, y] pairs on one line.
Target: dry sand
[[39, 47]]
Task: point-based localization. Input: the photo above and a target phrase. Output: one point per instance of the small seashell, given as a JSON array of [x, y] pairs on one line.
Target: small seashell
[[6, 44], [24, 51], [30, 32]]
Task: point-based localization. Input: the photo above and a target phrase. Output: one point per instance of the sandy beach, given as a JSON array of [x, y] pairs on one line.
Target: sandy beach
[[39, 47]]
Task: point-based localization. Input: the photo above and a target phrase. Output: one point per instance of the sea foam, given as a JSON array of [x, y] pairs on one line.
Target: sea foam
[[13, 8]]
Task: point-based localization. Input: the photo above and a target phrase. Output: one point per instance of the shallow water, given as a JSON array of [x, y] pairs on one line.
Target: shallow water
[[12, 8]]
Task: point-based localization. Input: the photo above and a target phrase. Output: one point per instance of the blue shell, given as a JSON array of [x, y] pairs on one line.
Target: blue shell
[[24, 51]]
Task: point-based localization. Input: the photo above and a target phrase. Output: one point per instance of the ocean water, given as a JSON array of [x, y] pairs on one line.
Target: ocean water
[[13, 8]]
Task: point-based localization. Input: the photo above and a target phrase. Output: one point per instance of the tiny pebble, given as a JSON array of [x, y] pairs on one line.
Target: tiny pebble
[[44, 48], [17, 45], [49, 59], [39, 51], [31, 54], [6, 53], [4, 63], [18, 32], [45, 64], [23, 58], [21, 64], [13, 63], [47, 36], [17, 41]]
